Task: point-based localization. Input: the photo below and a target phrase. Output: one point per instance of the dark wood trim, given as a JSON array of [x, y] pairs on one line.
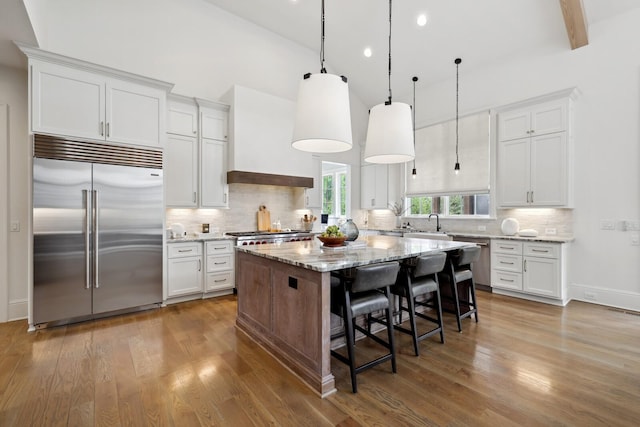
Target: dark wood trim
[[574, 20], [241, 177]]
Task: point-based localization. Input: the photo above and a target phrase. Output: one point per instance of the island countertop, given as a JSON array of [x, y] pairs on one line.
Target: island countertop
[[312, 255]]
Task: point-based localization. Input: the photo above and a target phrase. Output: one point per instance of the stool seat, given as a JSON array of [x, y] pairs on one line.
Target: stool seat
[[362, 293]]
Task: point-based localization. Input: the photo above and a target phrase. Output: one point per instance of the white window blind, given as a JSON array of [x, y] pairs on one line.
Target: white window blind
[[436, 157]]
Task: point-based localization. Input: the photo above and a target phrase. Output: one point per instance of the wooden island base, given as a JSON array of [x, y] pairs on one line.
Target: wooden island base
[[286, 309]]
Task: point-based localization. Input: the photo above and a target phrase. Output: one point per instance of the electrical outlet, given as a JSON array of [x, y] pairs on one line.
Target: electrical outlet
[[633, 225], [550, 231], [482, 228], [635, 239], [15, 226], [621, 225], [591, 296], [607, 224]]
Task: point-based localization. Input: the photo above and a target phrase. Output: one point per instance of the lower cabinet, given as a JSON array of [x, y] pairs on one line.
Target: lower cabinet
[[533, 270], [191, 275], [220, 264], [184, 269]]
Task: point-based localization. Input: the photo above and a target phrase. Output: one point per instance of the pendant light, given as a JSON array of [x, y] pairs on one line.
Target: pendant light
[[389, 132], [414, 172], [456, 168], [323, 117]]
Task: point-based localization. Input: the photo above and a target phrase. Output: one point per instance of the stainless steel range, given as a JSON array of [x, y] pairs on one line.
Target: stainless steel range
[[262, 237]]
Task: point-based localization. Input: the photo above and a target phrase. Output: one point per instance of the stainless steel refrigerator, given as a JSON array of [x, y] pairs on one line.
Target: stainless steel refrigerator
[[97, 232]]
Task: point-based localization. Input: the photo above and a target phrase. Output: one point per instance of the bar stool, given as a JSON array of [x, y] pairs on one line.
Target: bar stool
[[419, 278], [365, 292], [460, 274]]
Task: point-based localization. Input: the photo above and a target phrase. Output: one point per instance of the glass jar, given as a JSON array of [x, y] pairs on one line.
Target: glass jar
[[350, 229]]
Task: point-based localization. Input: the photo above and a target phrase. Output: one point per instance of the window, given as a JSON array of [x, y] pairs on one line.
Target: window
[[335, 189], [475, 204]]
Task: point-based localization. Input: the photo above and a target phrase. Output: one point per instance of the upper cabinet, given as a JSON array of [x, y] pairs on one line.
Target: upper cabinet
[[374, 186], [195, 165], [78, 99], [313, 196], [534, 153]]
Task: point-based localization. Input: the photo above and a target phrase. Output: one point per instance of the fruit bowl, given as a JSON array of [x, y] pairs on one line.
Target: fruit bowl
[[332, 241]]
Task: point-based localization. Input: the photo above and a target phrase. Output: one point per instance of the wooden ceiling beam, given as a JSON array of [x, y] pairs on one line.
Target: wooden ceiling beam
[[574, 20]]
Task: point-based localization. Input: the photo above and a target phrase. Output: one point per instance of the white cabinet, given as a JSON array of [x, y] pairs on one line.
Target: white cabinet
[[374, 187], [184, 269], [313, 196], [68, 100], [220, 267], [196, 167], [529, 269], [534, 153], [181, 171]]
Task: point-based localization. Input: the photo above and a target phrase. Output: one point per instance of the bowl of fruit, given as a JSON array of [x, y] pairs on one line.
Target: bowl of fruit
[[332, 237]]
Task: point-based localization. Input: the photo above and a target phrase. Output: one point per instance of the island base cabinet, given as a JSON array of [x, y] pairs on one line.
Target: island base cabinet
[[286, 310]]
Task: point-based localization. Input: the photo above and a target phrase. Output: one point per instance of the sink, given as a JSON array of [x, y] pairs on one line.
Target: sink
[[433, 235]]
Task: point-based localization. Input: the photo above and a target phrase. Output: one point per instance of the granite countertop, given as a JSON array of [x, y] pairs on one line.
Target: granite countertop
[[366, 250], [201, 237], [539, 238]]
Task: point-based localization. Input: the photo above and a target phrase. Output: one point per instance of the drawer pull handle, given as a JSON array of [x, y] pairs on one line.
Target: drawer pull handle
[[220, 280], [185, 250], [219, 248], [507, 247], [220, 263], [509, 263], [507, 280], [540, 250]]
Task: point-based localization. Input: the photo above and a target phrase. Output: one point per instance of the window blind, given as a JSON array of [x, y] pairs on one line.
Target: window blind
[[436, 156]]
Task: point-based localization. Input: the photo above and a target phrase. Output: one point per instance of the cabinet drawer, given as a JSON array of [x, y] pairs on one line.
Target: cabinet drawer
[[180, 250], [544, 250], [507, 247], [219, 281], [219, 247], [511, 263], [506, 280], [219, 263]]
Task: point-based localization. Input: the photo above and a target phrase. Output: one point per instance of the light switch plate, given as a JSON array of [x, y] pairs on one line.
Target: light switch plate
[[635, 239], [482, 228], [607, 224], [15, 226], [550, 231]]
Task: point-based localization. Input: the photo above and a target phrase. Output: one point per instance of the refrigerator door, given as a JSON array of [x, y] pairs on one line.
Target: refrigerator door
[[61, 224], [128, 219]]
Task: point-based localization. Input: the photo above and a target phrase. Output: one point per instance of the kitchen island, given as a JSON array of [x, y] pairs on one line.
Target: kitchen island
[[284, 296]]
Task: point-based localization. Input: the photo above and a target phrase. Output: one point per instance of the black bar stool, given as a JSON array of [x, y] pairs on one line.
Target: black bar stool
[[365, 292], [462, 289], [419, 277]]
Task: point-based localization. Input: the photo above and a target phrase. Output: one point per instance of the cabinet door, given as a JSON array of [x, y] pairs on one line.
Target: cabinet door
[[67, 101], [541, 276], [181, 171], [382, 185], [368, 186], [185, 276], [514, 125], [213, 179], [135, 113], [214, 124], [549, 117], [549, 170], [182, 119], [313, 196], [513, 173]]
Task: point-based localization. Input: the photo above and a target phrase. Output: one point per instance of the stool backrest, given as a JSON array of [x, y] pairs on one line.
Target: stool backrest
[[375, 276], [429, 264], [467, 256]]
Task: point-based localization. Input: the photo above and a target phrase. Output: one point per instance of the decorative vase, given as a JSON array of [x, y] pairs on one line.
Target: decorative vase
[[398, 222], [350, 229]]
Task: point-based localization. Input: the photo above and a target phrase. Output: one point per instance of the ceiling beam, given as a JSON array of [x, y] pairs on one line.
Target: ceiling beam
[[574, 20]]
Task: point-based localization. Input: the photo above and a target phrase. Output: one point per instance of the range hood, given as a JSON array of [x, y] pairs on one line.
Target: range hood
[[242, 177]]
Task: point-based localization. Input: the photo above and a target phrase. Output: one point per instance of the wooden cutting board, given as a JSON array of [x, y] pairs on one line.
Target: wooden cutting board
[[264, 219]]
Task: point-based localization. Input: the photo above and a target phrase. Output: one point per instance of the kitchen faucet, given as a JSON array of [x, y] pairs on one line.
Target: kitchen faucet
[[437, 220]]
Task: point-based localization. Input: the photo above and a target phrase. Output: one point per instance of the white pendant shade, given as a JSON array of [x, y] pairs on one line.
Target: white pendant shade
[[323, 117], [390, 134]]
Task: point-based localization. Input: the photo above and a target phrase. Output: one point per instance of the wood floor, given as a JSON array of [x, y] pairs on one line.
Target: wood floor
[[186, 365]]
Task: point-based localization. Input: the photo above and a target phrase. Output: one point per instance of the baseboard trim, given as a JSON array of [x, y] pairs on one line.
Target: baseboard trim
[[18, 309], [611, 298]]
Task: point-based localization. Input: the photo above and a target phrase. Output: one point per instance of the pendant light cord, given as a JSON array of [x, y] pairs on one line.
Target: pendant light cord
[[389, 101], [457, 61], [322, 69], [415, 79]]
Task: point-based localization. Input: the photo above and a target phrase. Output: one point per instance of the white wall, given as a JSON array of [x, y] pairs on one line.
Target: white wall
[[13, 92], [607, 134]]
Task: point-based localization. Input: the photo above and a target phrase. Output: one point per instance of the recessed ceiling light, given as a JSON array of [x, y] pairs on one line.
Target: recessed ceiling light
[[422, 20], [367, 52]]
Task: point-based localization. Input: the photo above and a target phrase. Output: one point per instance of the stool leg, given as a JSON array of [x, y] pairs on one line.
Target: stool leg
[[392, 345], [412, 318], [472, 289], [439, 311], [454, 293], [350, 336]]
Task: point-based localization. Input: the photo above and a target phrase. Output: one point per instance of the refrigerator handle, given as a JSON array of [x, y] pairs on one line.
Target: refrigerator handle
[[87, 239], [96, 247]]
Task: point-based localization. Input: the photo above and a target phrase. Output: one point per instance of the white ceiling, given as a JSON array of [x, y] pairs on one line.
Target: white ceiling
[[480, 32]]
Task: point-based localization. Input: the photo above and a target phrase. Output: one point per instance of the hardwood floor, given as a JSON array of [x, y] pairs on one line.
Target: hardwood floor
[[186, 365]]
